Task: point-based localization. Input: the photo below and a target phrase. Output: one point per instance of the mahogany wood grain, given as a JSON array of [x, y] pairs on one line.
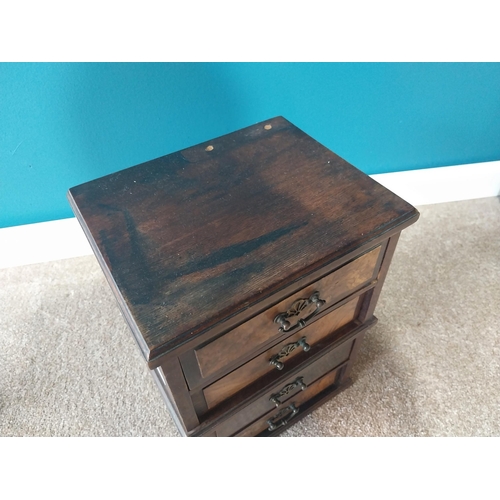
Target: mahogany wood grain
[[341, 384], [166, 394], [260, 365], [383, 270], [245, 314], [354, 353], [202, 248], [320, 385], [372, 297], [196, 236], [177, 392], [262, 329], [251, 394], [309, 375], [190, 363]]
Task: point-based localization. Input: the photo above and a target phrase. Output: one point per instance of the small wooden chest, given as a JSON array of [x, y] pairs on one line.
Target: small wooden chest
[[248, 269]]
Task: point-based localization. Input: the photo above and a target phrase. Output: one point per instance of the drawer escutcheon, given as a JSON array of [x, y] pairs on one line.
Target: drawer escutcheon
[[296, 308], [287, 390]]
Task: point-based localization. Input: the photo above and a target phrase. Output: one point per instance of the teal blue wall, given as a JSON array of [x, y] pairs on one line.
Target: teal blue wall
[[63, 124]]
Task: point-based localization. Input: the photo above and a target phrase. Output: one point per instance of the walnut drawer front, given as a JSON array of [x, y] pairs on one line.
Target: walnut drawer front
[[262, 329], [282, 417], [300, 387], [300, 343]]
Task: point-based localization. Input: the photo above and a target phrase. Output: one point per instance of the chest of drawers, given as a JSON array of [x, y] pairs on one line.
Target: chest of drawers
[[248, 269]]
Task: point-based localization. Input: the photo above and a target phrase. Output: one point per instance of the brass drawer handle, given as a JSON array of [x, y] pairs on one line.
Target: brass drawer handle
[[296, 308], [287, 390], [278, 420], [286, 350]]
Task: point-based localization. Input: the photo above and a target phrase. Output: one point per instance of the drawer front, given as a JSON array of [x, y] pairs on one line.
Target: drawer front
[[299, 388], [282, 417], [261, 329], [276, 358]]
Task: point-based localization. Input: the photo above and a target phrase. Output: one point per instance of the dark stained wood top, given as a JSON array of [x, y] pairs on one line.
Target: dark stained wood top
[[195, 236]]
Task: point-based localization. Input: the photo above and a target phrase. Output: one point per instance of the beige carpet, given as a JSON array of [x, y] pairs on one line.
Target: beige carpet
[[430, 367]]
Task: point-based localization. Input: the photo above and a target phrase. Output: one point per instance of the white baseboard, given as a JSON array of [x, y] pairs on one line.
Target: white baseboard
[[63, 239], [42, 242], [443, 184]]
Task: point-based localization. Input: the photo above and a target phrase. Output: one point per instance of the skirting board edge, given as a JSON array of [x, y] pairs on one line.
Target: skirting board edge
[[63, 239]]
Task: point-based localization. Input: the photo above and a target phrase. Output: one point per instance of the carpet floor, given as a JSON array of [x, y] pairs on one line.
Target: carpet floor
[[430, 367]]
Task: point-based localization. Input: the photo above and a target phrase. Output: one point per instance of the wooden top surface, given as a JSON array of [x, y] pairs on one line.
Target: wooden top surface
[[195, 236]]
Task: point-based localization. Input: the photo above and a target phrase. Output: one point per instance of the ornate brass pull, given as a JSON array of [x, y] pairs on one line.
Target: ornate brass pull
[[287, 390], [296, 308], [286, 350], [278, 420]]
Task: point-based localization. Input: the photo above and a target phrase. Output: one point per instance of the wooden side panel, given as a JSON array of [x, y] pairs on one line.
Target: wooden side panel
[[259, 366], [384, 268], [178, 393], [262, 329]]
